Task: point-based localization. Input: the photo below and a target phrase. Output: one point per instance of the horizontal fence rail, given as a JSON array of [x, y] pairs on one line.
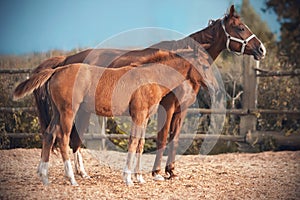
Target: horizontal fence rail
[[261, 72], [15, 71], [98, 136], [191, 110], [17, 109], [266, 73]]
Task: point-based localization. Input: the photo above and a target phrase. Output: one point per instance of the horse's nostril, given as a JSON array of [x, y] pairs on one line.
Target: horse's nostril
[[262, 50]]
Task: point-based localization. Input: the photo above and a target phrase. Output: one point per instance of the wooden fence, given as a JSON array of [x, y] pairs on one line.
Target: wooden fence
[[248, 135]]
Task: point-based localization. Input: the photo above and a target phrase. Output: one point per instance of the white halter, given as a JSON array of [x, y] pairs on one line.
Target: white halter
[[243, 42]]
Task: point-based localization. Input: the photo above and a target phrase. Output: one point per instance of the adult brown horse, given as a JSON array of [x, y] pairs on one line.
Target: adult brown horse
[[86, 89], [228, 32]]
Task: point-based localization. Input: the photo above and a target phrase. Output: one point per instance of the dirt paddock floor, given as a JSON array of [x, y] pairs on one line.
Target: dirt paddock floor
[[268, 175]]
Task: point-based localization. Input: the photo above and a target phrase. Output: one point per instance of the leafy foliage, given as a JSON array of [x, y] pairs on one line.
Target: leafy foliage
[[257, 25], [289, 18]]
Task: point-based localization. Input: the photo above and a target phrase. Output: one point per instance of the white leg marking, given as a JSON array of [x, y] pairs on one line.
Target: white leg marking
[[138, 168], [69, 172], [140, 178], [76, 163], [127, 169], [127, 177], [43, 172], [79, 165], [158, 177]]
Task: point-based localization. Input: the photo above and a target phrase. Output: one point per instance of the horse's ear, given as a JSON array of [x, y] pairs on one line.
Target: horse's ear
[[231, 12]]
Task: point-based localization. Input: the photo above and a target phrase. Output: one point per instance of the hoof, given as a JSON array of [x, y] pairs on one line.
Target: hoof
[[158, 177], [129, 183], [127, 179], [42, 172], [74, 183], [45, 181], [170, 171], [85, 176], [173, 177], [140, 179]]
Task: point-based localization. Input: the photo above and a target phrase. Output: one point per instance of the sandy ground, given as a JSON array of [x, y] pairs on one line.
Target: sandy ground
[[268, 175]]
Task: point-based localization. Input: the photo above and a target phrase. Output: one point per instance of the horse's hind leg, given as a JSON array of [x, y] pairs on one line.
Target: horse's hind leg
[[66, 123], [176, 125], [80, 126]]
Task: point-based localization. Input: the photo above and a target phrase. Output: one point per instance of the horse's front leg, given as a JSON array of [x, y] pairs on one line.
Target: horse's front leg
[[165, 114], [79, 166], [176, 125]]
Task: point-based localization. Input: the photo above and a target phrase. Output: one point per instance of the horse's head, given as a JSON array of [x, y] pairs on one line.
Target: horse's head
[[239, 38]]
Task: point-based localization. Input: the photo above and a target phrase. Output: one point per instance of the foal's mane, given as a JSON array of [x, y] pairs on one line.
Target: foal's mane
[[158, 56], [146, 56]]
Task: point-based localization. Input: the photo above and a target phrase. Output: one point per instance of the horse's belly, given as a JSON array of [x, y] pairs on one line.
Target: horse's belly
[[110, 111], [112, 103], [105, 110]]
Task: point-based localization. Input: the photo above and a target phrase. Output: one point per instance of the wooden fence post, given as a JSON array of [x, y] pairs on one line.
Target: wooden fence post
[[97, 127], [248, 122]]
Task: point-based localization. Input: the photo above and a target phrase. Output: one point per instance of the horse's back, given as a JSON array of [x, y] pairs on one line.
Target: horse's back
[[49, 63], [99, 57], [69, 83]]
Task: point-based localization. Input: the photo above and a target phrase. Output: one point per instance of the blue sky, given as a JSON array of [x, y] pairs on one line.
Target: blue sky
[[40, 25]]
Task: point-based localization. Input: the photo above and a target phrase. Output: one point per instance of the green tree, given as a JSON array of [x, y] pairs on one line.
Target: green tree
[[288, 12], [260, 29], [257, 25]]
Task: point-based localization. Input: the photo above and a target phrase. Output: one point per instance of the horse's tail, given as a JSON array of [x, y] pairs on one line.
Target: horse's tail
[[34, 82], [41, 94]]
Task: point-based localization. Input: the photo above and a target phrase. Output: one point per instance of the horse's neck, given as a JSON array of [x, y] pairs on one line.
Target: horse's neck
[[183, 67], [211, 39]]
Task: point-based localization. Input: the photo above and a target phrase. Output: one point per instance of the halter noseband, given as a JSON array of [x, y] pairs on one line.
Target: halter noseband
[[229, 37]]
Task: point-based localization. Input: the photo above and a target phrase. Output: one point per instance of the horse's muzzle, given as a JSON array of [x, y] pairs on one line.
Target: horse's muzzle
[[260, 52]]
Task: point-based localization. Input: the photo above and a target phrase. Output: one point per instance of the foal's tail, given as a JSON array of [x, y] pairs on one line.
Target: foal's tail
[[41, 94], [34, 82]]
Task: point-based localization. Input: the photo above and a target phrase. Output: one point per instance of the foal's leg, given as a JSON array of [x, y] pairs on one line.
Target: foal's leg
[[132, 146], [48, 141], [136, 137], [164, 119], [176, 125], [139, 152], [81, 124], [66, 122]]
